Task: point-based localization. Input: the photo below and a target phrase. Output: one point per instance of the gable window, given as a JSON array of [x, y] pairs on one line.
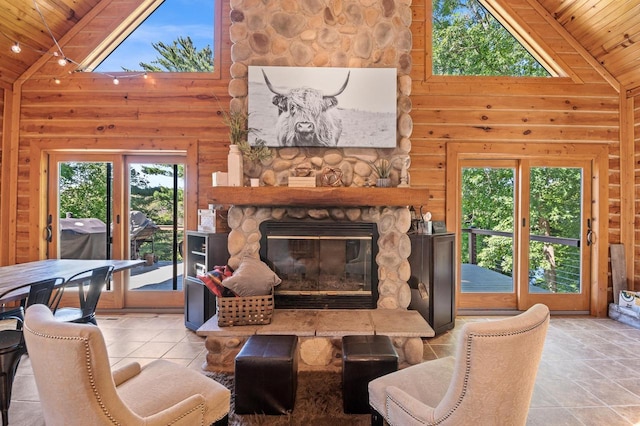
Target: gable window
[[163, 36], [468, 40]]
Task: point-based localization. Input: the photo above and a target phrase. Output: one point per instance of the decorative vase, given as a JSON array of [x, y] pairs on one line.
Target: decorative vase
[[234, 166], [383, 182]]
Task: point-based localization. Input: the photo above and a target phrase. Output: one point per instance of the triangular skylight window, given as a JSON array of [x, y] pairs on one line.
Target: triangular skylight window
[[469, 40], [176, 36]]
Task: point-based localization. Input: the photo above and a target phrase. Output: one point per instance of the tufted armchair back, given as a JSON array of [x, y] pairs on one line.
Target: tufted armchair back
[[490, 380], [76, 386]]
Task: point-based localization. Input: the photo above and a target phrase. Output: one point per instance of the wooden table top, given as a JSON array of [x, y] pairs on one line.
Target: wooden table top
[[15, 276]]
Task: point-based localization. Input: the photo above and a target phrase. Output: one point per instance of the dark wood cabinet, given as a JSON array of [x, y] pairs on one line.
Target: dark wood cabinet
[[203, 251], [432, 279]]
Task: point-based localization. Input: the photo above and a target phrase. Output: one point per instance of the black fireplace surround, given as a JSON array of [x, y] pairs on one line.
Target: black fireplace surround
[[322, 264]]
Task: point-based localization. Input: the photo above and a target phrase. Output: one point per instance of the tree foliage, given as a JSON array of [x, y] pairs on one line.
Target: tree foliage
[[180, 56], [468, 40], [83, 190]]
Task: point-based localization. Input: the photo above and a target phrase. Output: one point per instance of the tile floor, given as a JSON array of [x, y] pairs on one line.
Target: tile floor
[[589, 374]]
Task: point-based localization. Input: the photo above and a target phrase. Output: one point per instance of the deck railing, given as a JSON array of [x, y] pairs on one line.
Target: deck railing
[[563, 277]]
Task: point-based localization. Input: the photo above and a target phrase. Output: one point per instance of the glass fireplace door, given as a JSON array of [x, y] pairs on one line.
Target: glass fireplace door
[[323, 267]]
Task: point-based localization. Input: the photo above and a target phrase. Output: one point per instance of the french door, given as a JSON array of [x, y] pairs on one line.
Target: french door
[[117, 206], [526, 233]]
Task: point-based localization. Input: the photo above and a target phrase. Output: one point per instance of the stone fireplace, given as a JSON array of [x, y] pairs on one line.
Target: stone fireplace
[[386, 275], [254, 210]]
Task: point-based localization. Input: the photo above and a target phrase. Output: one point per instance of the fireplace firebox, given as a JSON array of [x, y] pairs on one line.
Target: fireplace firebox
[[322, 264]]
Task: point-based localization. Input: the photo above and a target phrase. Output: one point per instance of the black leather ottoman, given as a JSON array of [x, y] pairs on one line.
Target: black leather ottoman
[[364, 358], [266, 375]]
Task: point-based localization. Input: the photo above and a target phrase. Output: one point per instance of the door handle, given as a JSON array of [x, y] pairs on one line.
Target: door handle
[[48, 230], [589, 233]]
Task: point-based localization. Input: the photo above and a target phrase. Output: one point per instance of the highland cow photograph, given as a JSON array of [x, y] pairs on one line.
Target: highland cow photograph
[[322, 107]]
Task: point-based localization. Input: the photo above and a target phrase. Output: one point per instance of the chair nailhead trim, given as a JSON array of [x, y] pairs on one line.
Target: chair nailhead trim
[[467, 371], [94, 388]]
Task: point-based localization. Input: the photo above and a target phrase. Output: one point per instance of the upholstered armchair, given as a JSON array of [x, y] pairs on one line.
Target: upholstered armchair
[[489, 381], [76, 385]]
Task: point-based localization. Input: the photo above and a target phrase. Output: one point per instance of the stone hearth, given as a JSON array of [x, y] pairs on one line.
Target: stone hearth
[[320, 331]]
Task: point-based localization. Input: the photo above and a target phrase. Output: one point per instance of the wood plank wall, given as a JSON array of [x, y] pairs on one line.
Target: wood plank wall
[[487, 110], [636, 249], [1, 133], [88, 111]]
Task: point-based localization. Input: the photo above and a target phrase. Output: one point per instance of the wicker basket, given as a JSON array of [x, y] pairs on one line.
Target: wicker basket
[[252, 310]]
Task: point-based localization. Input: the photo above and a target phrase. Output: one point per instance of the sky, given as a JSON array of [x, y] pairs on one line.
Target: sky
[[173, 18]]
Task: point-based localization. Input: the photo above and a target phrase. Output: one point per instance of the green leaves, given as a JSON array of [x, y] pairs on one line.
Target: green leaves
[[180, 56], [468, 40], [382, 168]]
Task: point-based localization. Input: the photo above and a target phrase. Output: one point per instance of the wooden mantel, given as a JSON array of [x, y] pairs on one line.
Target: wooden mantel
[[316, 197]]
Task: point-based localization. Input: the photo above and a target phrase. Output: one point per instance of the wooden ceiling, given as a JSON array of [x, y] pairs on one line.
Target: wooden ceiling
[[608, 29], [21, 22]]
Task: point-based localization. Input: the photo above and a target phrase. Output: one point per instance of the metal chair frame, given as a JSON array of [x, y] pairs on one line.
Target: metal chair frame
[[89, 285]]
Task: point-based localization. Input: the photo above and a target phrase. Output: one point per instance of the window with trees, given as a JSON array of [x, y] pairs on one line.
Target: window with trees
[[164, 36], [468, 40]]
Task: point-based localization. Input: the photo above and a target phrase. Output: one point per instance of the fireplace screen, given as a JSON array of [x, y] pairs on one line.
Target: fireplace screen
[[328, 266]]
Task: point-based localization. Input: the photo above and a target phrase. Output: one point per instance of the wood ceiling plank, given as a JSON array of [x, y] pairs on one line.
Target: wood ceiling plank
[[614, 25], [555, 7], [23, 22], [591, 11], [572, 11]]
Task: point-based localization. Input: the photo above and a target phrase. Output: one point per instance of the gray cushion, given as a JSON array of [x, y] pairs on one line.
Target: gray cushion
[[252, 278]]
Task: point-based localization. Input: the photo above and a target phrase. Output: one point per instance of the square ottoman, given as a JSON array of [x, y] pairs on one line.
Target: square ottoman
[[266, 375], [364, 358]]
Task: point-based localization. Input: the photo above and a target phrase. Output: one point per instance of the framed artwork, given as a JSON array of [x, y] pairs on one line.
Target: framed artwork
[[323, 107]]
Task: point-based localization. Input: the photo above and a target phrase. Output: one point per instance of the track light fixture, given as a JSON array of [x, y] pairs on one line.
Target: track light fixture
[[16, 48]]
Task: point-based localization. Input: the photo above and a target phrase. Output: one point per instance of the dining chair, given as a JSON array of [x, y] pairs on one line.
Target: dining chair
[[490, 380], [12, 345], [12, 348], [83, 390], [89, 285], [39, 292]]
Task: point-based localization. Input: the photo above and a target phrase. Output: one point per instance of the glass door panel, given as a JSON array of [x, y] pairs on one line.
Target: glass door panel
[[85, 206], [558, 242], [155, 230], [83, 200], [488, 200]]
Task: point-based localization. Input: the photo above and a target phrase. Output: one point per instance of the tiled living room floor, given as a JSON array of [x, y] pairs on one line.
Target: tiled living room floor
[[589, 375]]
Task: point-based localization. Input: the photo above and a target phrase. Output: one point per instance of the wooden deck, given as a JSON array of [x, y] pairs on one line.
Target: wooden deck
[[476, 279]]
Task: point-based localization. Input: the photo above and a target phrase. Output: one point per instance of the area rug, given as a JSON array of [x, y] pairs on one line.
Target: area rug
[[318, 403]]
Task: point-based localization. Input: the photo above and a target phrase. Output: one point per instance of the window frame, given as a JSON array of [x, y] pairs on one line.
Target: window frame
[[129, 25]]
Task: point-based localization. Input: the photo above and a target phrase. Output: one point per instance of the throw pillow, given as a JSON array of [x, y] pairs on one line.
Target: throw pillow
[[213, 281], [252, 278]]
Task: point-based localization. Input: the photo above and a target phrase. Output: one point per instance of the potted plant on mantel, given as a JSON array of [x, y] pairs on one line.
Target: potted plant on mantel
[[382, 169], [239, 131]]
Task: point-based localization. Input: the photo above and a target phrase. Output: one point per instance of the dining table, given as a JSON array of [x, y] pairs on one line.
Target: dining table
[[15, 279]]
